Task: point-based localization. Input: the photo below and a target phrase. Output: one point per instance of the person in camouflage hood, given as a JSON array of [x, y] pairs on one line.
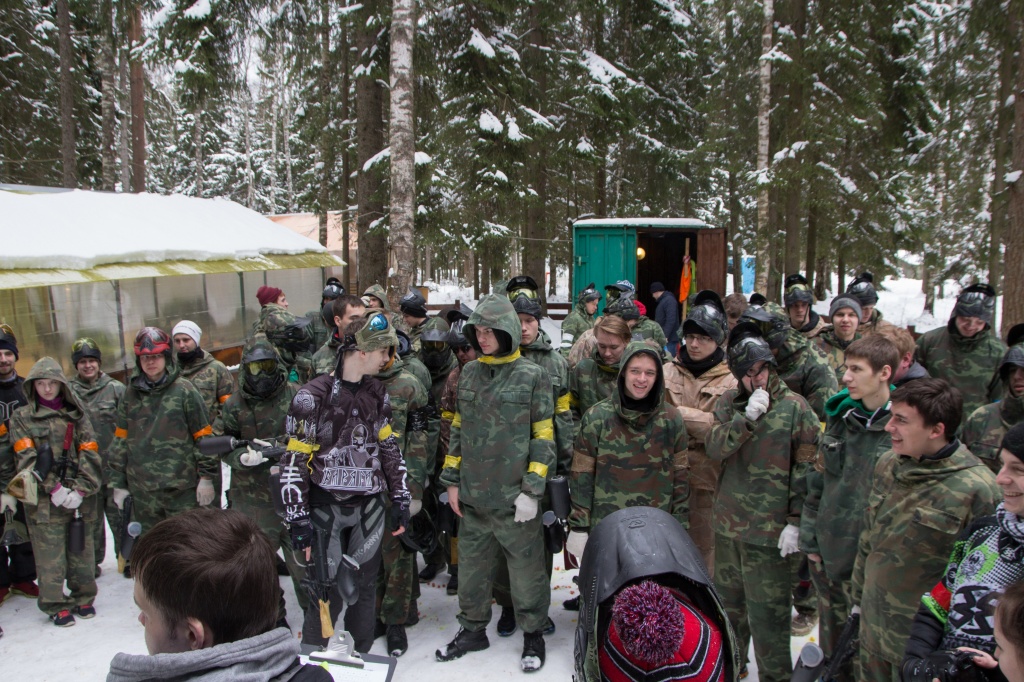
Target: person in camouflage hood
[[290, 335], [501, 453], [155, 457], [630, 451], [799, 298], [99, 395], [257, 410], [344, 310], [593, 379], [580, 318], [322, 325], [801, 366], [966, 352], [924, 492], [53, 438], [832, 340], [694, 382], [984, 429], [766, 436], [838, 485]]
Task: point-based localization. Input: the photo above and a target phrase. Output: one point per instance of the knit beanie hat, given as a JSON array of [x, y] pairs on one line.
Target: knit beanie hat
[[845, 301], [188, 327], [656, 287], [267, 294], [8, 341], [1013, 441], [658, 634]]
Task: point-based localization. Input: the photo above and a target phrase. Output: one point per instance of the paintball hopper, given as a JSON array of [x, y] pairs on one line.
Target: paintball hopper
[[219, 445], [23, 487], [11, 535]]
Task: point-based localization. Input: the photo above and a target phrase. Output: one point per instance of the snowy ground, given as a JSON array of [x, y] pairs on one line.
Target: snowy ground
[[83, 652]]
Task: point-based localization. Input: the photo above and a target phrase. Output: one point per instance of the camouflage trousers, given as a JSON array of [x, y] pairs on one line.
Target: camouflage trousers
[[151, 507], [833, 610], [260, 509], [503, 585], [55, 563], [702, 503], [754, 584], [106, 508], [398, 584], [482, 534]]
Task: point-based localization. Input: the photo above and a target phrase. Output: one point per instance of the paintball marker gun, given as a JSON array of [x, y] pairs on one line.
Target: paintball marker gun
[[76, 527], [128, 530], [222, 445]]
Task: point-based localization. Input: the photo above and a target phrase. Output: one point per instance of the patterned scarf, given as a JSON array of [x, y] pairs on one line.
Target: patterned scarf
[[1011, 535]]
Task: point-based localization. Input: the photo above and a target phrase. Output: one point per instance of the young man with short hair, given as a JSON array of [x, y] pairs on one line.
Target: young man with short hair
[[223, 626], [208, 374], [909, 368], [799, 298], [345, 310], [984, 429], [838, 485], [833, 339], [924, 491], [593, 379], [580, 318]]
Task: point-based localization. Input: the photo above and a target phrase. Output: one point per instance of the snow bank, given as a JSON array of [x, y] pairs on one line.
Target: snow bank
[[80, 229]]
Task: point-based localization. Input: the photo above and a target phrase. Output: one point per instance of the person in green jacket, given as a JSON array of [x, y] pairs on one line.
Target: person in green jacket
[[966, 352], [345, 310], [984, 429], [765, 435], [291, 335], [160, 420], [54, 423], [838, 485], [580, 318], [593, 379], [99, 395], [832, 340], [321, 327], [640, 326], [924, 492], [799, 298], [501, 453]]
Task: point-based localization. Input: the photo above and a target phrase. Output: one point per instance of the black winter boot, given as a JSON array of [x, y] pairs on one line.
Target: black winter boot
[[398, 644], [507, 622], [464, 642], [533, 652]]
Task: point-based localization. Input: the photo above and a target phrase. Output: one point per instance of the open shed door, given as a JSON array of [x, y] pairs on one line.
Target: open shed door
[[603, 255], [712, 260]]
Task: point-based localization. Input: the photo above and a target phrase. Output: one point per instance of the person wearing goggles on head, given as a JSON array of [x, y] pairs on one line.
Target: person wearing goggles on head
[[799, 299], [341, 311], [343, 456], [766, 436], [414, 314], [580, 318], [966, 352], [863, 289], [984, 429], [694, 381], [257, 411], [321, 327], [640, 326], [99, 395]]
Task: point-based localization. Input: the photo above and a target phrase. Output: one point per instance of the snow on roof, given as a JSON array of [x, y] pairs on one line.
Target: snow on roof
[[80, 230], [641, 222]]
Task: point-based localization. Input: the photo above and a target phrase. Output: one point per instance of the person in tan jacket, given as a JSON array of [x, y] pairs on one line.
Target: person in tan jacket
[[694, 381]]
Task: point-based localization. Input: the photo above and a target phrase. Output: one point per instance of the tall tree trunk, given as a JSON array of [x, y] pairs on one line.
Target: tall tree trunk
[[373, 246], [794, 124], [791, 255], [346, 155], [764, 246], [69, 159], [197, 146], [403, 145], [536, 233], [1013, 278], [326, 143], [734, 235], [108, 110], [811, 255], [1002, 139], [138, 97], [126, 164]]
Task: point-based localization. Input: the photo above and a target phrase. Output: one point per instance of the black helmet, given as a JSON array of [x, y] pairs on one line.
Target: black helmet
[[413, 304], [1016, 334], [461, 313], [85, 348], [332, 291], [263, 376], [522, 284], [456, 339], [434, 350], [420, 536], [977, 300], [623, 287], [797, 291], [747, 347], [1014, 357], [624, 307], [404, 344], [589, 293], [526, 305], [757, 299], [707, 317], [863, 289], [774, 329]]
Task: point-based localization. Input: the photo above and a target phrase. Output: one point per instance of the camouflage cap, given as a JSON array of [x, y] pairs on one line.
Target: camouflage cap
[[977, 300], [435, 329], [375, 334], [747, 347], [85, 348], [797, 291], [624, 307]]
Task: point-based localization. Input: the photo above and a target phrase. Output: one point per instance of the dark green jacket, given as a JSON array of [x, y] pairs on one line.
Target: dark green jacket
[[574, 324], [806, 372], [410, 415], [984, 429], [542, 354], [968, 364], [590, 382], [213, 381], [99, 399]]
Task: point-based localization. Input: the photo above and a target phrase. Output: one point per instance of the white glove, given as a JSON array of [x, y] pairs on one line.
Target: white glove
[[58, 495], [788, 540], [414, 507], [119, 495], [252, 458], [204, 492], [7, 502], [73, 500], [576, 543], [757, 404], [526, 508]]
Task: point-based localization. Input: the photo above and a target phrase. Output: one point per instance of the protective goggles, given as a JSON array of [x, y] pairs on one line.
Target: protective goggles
[[378, 323], [973, 298], [528, 293], [434, 346], [257, 367], [77, 346], [860, 288]]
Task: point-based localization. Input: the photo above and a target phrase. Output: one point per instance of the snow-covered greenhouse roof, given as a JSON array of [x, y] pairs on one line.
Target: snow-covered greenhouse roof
[[685, 223], [70, 237]]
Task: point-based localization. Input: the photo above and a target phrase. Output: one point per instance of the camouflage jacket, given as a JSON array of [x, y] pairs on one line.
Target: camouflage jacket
[[626, 457], [984, 430], [502, 434], [968, 364], [647, 328], [574, 324], [448, 406], [156, 436], [764, 463], [99, 399], [325, 359], [814, 326], [839, 484], [411, 413], [274, 318], [319, 331], [834, 350], [555, 366], [872, 325], [806, 372], [246, 416], [420, 371], [914, 513], [590, 382], [695, 399], [341, 446], [213, 381], [33, 424]]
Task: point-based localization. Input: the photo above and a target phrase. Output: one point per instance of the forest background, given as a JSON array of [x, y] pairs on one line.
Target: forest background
[[825, 135]]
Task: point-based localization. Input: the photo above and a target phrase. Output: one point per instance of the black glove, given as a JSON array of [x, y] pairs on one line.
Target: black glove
[[302, 535], [946, 666], [418, 419], [399, 515]]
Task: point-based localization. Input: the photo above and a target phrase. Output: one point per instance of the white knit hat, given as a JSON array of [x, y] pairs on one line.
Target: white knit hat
[[188, 327]]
